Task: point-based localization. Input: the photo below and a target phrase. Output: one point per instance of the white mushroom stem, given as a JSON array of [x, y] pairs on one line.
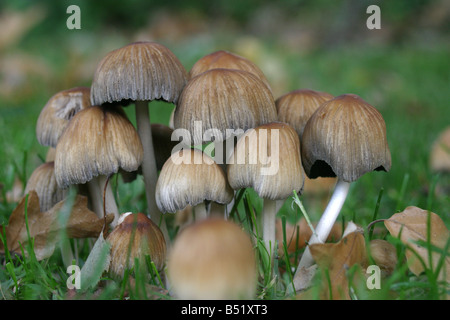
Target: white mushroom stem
[[269, 213], [148, 165], [200, 211], [326, 221], [96, 196]]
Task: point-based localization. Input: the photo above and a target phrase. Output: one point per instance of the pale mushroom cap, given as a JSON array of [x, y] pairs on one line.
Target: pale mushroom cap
[[296, 107], [275, 171], [223, 59], [440, 153], [223, 100], [134, 237], [189, 177], [43, 181], [97, 141], [345, 137], [212, 259], [141, 71], [57, 113]]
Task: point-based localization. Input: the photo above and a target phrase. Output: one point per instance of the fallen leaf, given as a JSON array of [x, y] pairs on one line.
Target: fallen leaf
[[336, 259], [412, 225], [46, 228]]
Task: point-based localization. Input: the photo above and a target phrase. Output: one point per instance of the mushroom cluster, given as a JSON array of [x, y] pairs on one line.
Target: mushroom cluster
[[226, 133]]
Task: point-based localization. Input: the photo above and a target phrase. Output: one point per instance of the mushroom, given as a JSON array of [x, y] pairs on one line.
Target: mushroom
[[223, 59], [134, 237], [141, 72], [95, 144], [57, 113], [344, 138], [296, 107], [212, 259], [440, 153], [268, 160], [219, 104], [43, 181], [189, 177]]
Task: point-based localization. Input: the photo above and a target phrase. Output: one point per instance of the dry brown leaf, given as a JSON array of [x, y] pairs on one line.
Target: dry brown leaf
[[411, 225], [45, 228], [337, 258]]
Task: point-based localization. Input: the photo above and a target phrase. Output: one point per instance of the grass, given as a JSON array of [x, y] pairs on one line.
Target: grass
[[408, 84]]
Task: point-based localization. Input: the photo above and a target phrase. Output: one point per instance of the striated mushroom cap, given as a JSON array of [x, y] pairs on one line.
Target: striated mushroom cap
[[223, 59], [57, 112], [140, 71], [135, 236], [296, 107], [43, 181], [268, 160], [221, 99], [97, 141], [345, 137], [190, 177]]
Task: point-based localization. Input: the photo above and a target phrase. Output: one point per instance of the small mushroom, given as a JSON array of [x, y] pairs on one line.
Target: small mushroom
[[223, 59], [43, 181], [95, 144], [189, 177], [212, 259], [344, 138], [134, 237], [268, 160], [57, 113], [296, 107]]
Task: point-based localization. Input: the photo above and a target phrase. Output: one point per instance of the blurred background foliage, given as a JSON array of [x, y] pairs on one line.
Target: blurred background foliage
[[402, 69]]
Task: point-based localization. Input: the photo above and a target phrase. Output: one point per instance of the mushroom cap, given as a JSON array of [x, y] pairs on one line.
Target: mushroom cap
[[345, 138], [440, 152], [189, 177], [140, 71], [296, 107], [97, 141], [43, 181], [212, 259], [57, 112], [135, 236], [223, 59], [273, 171], [223, 100]]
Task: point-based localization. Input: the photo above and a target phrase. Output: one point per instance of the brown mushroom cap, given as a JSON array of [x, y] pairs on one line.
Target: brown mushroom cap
[[345, 137], [135, 236], [223, 59], [224, 99], [190, 177], [57, 112], [97, 141], [212, 259], [43, 181], [440, 153], [140, 71], [247, 172], [296, 107]]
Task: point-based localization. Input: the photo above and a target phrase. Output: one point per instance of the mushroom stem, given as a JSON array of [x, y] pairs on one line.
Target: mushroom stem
[[326, 221], [96, 196], [148, 165], [269, 213], [200, 211]]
